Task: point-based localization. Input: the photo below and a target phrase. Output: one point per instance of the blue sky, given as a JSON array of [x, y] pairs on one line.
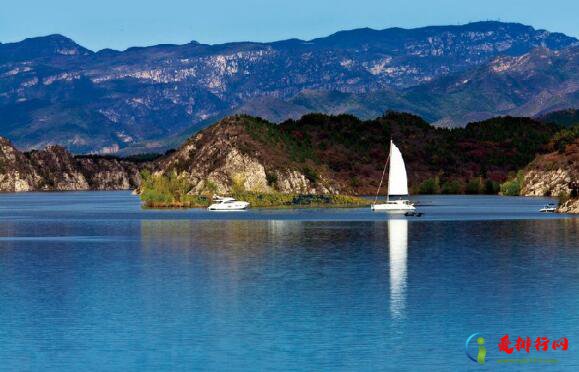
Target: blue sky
[[119, 24]]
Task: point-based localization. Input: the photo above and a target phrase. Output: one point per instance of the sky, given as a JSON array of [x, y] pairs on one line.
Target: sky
[[119, 24]]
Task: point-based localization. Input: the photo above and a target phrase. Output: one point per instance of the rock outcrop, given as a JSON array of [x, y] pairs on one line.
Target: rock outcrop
[[547, 182], [554, 173], [16, 172], [570, 206], [226, 155], [55, 169]]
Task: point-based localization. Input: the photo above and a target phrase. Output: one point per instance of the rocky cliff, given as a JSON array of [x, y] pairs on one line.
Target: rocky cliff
[[554, 173], [229, 152], [557, 172], [55, 169], [569, 206]]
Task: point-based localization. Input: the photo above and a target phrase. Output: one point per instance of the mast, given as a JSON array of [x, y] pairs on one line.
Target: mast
[[383, 173], [389, 158]]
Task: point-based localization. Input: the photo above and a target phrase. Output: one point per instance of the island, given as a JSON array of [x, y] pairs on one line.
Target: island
[[321, 160]]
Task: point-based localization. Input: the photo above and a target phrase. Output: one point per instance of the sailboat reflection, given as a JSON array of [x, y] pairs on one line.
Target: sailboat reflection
[[398, 242]]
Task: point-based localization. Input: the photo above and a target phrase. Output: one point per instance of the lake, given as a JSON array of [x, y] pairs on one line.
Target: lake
[[90, 281]]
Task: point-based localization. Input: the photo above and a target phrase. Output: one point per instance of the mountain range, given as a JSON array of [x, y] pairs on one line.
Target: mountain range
[[54, 91]]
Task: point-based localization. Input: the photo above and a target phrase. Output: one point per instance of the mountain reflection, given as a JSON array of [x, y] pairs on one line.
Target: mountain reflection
[[232, 235], [398, 242]]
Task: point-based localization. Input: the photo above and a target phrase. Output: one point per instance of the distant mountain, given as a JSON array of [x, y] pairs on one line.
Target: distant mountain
[[537, 82], [532, 84], [55, 91], [41, 47]]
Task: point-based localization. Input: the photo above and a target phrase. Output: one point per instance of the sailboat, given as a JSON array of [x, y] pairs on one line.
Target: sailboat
[[397, 184]]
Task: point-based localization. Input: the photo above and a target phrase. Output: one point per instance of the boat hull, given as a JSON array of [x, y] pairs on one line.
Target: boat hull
[[400, 206], [237, 206], [549, 208]]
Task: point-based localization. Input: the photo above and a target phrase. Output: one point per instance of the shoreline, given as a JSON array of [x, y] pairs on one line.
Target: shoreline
[[264, 200], [569, 207]]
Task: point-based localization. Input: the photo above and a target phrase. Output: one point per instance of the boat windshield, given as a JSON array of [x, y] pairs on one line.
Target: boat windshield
[[224, 200]]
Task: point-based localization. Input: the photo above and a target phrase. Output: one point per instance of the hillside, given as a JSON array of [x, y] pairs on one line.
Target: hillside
[[554, 173], [54, 91], [342, 154], [55, 169], [324, 155], [566, 118]]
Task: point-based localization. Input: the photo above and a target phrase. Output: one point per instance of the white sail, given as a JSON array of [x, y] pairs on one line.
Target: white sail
[[397, 179]]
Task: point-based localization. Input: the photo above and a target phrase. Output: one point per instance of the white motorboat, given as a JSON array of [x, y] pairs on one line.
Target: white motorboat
[[227, 204], [549, 208], [397, 185]]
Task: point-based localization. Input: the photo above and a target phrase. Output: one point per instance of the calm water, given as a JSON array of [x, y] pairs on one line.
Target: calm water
[[89, 281]]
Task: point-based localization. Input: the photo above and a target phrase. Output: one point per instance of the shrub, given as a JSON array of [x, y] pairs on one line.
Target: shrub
[[161, 191], [171, 191], [238, 184], [210, 188], [513, 187], [491, 187], [563, 197], [451, 187], [271, 179], [429, 186], [565, 137], [276, 199], [310, 174], [474, 186]]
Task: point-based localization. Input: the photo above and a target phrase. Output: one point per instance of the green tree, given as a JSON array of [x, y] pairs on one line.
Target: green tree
[[430, 186], [451, 187], [513, 187], [310, 174], [491, 187], [474, 186]]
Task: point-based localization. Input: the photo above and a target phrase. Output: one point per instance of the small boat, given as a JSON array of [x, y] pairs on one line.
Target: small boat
[[227, 204], [413, 214], [397, 184], [549, 208]]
